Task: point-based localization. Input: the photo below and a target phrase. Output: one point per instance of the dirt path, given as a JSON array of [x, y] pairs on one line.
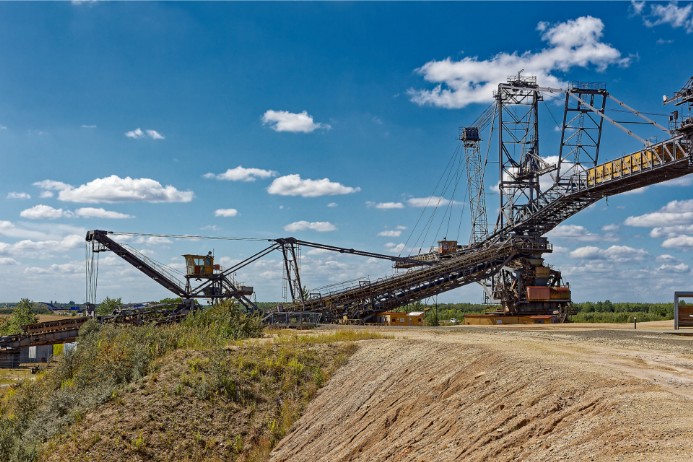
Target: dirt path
[[504, 394]]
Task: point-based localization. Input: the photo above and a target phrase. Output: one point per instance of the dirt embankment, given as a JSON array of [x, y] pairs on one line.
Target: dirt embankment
[[485, 394]]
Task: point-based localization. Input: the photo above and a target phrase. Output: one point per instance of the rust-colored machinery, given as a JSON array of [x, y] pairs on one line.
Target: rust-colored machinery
[[508, 261]]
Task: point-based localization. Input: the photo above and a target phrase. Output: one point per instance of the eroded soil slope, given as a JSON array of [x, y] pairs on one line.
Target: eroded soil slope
[[483, 394]]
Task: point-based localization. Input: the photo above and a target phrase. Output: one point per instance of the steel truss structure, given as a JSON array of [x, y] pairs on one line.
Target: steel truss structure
[[535, 197]]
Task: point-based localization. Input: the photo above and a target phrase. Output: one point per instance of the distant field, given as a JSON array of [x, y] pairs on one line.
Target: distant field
[[43, 317]]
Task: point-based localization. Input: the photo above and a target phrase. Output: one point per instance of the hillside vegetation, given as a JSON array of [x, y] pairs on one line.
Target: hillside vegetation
[[208, 389]]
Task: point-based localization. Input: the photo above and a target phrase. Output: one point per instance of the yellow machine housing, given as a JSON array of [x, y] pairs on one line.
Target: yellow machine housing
[[200, 266]]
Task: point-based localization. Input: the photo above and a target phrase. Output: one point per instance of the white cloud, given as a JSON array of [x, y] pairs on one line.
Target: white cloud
[[617, 253], [56, 268], [667, 258], [6, 261], [135, 134], [242, 174], [116, 189], [671, 14], [18, 195], [294, 185], [284, 121], [680, 268], [153, 134], [390, 233], [41, 211], [580, 233], [386, 205], [678, 242], [671, 231], [674, 213], [138, 134], [574, 43], [93, 212], [394, 248], [637, 6], [430, 201], [38, 231], [225, 213], [87, 126], [42, 249], [332, 205], [51, 185], [320, 226], [46, 194], [152, 240]]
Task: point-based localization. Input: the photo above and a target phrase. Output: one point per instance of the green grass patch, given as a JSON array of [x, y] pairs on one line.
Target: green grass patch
[[212, 368]]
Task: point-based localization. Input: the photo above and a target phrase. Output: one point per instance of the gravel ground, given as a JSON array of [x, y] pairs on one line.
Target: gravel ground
[[511, 393]]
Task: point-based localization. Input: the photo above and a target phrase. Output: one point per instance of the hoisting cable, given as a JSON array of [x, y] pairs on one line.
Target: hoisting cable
[[421, 215]]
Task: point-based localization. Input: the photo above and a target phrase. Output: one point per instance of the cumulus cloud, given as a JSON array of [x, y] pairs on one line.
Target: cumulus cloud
[[385, 205], [138, 134], [38, 231], [225, 213], [394, 248], [294, 185], [617, 253], [576, 232], [52, 185], [332, 205], [674, 222], [430, 201], [674, 213], [18, 195], [574, 43], [41, 248], [319, 226], [680, 242], [679, 268], [665, 14], [242, 174], [42, 211], [94, 212], [390, 233], [284, 121], [116, 189]]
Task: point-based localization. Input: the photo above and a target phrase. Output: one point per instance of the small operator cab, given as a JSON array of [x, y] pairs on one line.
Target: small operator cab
[[200, 266], [446, 247]]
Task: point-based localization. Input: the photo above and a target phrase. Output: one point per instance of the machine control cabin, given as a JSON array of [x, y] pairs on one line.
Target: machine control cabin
[[200, 266]]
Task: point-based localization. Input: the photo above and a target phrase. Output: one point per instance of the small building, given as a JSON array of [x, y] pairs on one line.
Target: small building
[[396, 318], [36, 354]]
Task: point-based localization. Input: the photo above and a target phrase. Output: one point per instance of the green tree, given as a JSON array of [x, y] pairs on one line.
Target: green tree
[[108, 305], [21, 316]]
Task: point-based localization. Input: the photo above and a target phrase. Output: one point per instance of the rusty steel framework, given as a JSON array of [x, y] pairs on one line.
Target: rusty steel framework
[[509, 260], [535, 197]]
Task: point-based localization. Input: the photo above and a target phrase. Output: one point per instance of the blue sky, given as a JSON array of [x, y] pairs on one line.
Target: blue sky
[[330, 122]]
